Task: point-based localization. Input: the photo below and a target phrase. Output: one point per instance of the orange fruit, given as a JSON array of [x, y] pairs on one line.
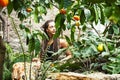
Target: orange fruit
[[52, 65], [76, 18], [28, 9], [62, 11], [4, 3], [100, 47]]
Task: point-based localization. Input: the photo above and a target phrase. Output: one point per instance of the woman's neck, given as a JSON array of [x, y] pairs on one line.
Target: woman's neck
[[50, 36], [50, 41]]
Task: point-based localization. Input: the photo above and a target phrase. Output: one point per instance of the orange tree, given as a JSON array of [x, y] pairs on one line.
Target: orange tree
[[87, 49], [78, 14]]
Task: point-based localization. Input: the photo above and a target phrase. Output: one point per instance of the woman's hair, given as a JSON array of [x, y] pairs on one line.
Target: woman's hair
[[46, 24]]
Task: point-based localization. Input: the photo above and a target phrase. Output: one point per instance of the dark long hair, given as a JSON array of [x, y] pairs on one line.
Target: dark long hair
[[44, 44]]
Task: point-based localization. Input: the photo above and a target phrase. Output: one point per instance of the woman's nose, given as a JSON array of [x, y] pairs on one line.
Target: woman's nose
[[54, 28]]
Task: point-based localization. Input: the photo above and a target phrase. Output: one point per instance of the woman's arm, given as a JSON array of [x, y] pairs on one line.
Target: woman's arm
[[64, 44]]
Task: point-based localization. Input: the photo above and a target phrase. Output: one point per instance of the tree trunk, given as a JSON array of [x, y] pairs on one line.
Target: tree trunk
[[2, 55]]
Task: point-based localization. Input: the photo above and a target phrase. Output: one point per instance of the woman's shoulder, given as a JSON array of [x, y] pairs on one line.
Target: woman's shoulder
[[62, 40], [63, 43]]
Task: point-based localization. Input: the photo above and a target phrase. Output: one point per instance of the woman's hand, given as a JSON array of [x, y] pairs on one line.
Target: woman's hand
[[66, 58]]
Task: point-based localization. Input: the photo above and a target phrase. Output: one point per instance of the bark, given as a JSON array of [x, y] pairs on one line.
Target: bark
[[2, 55], [2, 47]]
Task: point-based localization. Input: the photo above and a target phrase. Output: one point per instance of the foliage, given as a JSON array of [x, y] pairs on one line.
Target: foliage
[[11, 58], [85, 53], [113, 65], [46, 68], [83, 46]]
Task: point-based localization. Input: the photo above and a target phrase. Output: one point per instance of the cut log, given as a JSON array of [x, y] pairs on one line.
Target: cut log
[[77, 76]]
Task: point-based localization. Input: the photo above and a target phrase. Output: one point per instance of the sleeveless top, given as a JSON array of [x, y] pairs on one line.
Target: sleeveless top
[[47, 51]]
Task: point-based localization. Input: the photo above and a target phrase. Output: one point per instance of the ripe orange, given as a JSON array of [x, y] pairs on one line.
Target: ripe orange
[[76, 18], [28, 9], [4, 3], [62, 11]]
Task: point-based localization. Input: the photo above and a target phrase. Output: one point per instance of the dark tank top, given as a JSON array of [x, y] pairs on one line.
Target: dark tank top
[[50, 50]]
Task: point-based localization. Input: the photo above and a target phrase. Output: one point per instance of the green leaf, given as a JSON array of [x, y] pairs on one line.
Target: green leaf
[[108, 11], [37, 46], [87, 13], [84, 28], [67, 3], [21, 16], [72, 33], [76, 54], [27, 30], [110, 1], [92, 17], [60, 51], [18, 4], [58, 1], [102, 14], [31, 44], [62, 25], [22, 26], [116, 51], [116, 29], [10, 7], [112, 59], [68, 39], [105, 54], [68, 26], [57, 21], [110, 46], [44, 35], [69, 18], [41, 10], [82, 16], [94, 47], [36, 15], [58, 32], [95, 1], [96, 13], [46, 1]]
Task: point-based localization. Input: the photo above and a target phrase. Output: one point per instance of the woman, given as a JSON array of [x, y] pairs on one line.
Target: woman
[[52, 45]]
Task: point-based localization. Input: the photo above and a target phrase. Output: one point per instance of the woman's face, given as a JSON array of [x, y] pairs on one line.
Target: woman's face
[[51, 28]]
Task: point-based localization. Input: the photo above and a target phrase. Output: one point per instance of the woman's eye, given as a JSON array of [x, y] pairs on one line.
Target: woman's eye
[[51, 27]]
